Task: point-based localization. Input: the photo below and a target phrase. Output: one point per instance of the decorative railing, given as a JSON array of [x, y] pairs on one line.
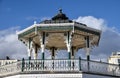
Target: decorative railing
[[76, 65], [51, 65]]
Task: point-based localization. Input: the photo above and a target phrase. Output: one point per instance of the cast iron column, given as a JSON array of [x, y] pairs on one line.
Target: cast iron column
[[35, 51], [43, 45], [88, 48], [88, 51], [29, 48]]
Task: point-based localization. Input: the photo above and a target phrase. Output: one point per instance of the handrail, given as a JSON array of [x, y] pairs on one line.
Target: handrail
[[10, 68], [60, 65]]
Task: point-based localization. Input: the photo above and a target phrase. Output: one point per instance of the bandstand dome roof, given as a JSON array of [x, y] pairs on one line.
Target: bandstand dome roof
[[60, 16]]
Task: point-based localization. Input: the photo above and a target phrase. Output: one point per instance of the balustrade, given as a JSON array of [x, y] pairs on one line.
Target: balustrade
[[62, 65]]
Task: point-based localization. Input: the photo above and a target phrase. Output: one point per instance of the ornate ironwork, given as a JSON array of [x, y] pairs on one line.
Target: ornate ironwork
[[76, 65]]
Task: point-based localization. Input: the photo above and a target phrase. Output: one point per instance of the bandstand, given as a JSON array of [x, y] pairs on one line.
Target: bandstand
[[59, 33]]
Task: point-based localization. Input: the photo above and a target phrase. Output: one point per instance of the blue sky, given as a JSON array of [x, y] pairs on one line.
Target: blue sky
[[16, 15], [23, 12]]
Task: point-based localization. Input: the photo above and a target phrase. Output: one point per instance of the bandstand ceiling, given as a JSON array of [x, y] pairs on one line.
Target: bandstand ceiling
[[57, 39]]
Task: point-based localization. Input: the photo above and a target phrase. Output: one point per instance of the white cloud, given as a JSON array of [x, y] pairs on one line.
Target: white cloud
[[93, 22], [110, 37], [9, 44], [109, 42]]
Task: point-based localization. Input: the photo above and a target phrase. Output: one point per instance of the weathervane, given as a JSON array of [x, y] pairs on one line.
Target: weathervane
[[60, 10]]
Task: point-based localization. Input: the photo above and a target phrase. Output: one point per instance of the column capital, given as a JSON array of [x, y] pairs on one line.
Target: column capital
[[68, 36], [29, 47], [42, 48]]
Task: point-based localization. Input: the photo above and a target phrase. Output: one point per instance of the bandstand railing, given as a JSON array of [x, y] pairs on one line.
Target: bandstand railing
[[61, 65]]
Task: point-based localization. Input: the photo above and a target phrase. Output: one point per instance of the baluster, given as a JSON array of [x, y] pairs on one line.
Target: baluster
[[48, 65], [65, 65], [40, 65], [69, 65], [59, 65], [56, 65]]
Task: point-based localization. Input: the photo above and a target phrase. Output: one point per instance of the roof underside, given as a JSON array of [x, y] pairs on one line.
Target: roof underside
[[56, 36]]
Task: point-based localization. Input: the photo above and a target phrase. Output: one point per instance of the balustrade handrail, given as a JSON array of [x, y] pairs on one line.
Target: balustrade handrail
[[60, 65], [65, 59], [11, 63], [100, 62], [78, 59]]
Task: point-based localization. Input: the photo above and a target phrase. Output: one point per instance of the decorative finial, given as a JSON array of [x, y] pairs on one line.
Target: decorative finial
[[60, 10], [35, 22]]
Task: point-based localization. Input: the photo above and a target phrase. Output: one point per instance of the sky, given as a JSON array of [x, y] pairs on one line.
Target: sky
[[16, 15]]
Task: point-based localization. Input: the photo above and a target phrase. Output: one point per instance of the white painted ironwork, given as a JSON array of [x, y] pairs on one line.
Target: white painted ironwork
[[63, 65]]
